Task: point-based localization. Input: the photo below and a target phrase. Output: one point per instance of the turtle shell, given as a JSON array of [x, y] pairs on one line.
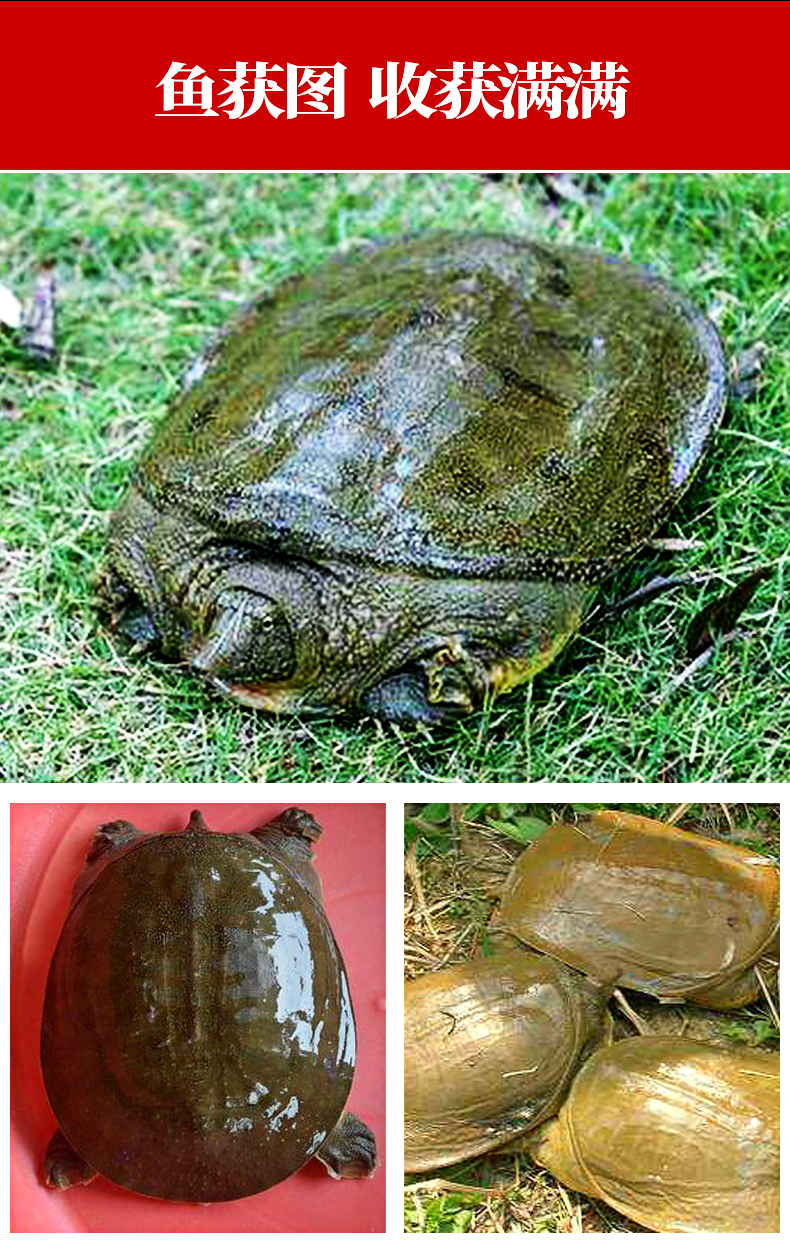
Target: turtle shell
[[490, 1048], [483, 405], [633, 901], [198, 1039], [680, 1136]]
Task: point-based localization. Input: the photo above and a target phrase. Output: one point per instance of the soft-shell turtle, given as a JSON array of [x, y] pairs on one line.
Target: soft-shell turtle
[[491, 1047], [680, 1136], [634, 901], [393, 484], [198, 1038]]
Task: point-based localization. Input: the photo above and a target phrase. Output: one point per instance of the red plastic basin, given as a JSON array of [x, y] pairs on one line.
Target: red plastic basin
[[48, 844]]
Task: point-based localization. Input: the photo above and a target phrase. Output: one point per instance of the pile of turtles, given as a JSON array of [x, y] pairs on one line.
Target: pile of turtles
[[677, 1134]]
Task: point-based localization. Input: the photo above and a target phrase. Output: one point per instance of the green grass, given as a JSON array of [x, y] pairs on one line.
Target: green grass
[[150, 264]]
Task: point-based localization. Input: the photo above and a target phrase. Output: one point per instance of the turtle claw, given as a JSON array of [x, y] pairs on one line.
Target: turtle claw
[[746, 371], [350, 1149], [63, 1167]]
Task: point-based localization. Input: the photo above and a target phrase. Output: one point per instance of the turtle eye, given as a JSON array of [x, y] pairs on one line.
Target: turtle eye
[[250, 640]]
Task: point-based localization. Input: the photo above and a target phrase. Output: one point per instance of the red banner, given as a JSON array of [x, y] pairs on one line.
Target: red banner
[[454, 85]]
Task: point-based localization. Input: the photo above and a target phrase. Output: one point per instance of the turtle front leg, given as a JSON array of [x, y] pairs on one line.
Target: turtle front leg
[[402, 699], [63, 1167], [124, 610], [350, 1149]]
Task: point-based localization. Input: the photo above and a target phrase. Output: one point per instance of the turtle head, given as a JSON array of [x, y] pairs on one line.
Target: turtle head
[[249, 638], [245, 620], [254, 634]]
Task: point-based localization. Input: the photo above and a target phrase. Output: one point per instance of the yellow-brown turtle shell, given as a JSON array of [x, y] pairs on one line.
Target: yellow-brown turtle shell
[[633, 901], [490, 1049], [679, 1136]]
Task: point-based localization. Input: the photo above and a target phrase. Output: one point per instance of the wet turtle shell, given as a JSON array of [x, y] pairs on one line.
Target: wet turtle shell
[[393, 482], [490, 1049], [679, 1136], [198, 1038], [633, 901]]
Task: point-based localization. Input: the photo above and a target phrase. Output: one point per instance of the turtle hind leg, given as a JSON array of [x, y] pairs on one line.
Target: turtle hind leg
[[63, 1167], [292, 833], [350, 1149], [111, 837], [295, 824], [108, 841]]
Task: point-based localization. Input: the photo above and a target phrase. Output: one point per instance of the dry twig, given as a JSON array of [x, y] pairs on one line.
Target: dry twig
[[412, 869], [767, 994], [641, 1026]]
